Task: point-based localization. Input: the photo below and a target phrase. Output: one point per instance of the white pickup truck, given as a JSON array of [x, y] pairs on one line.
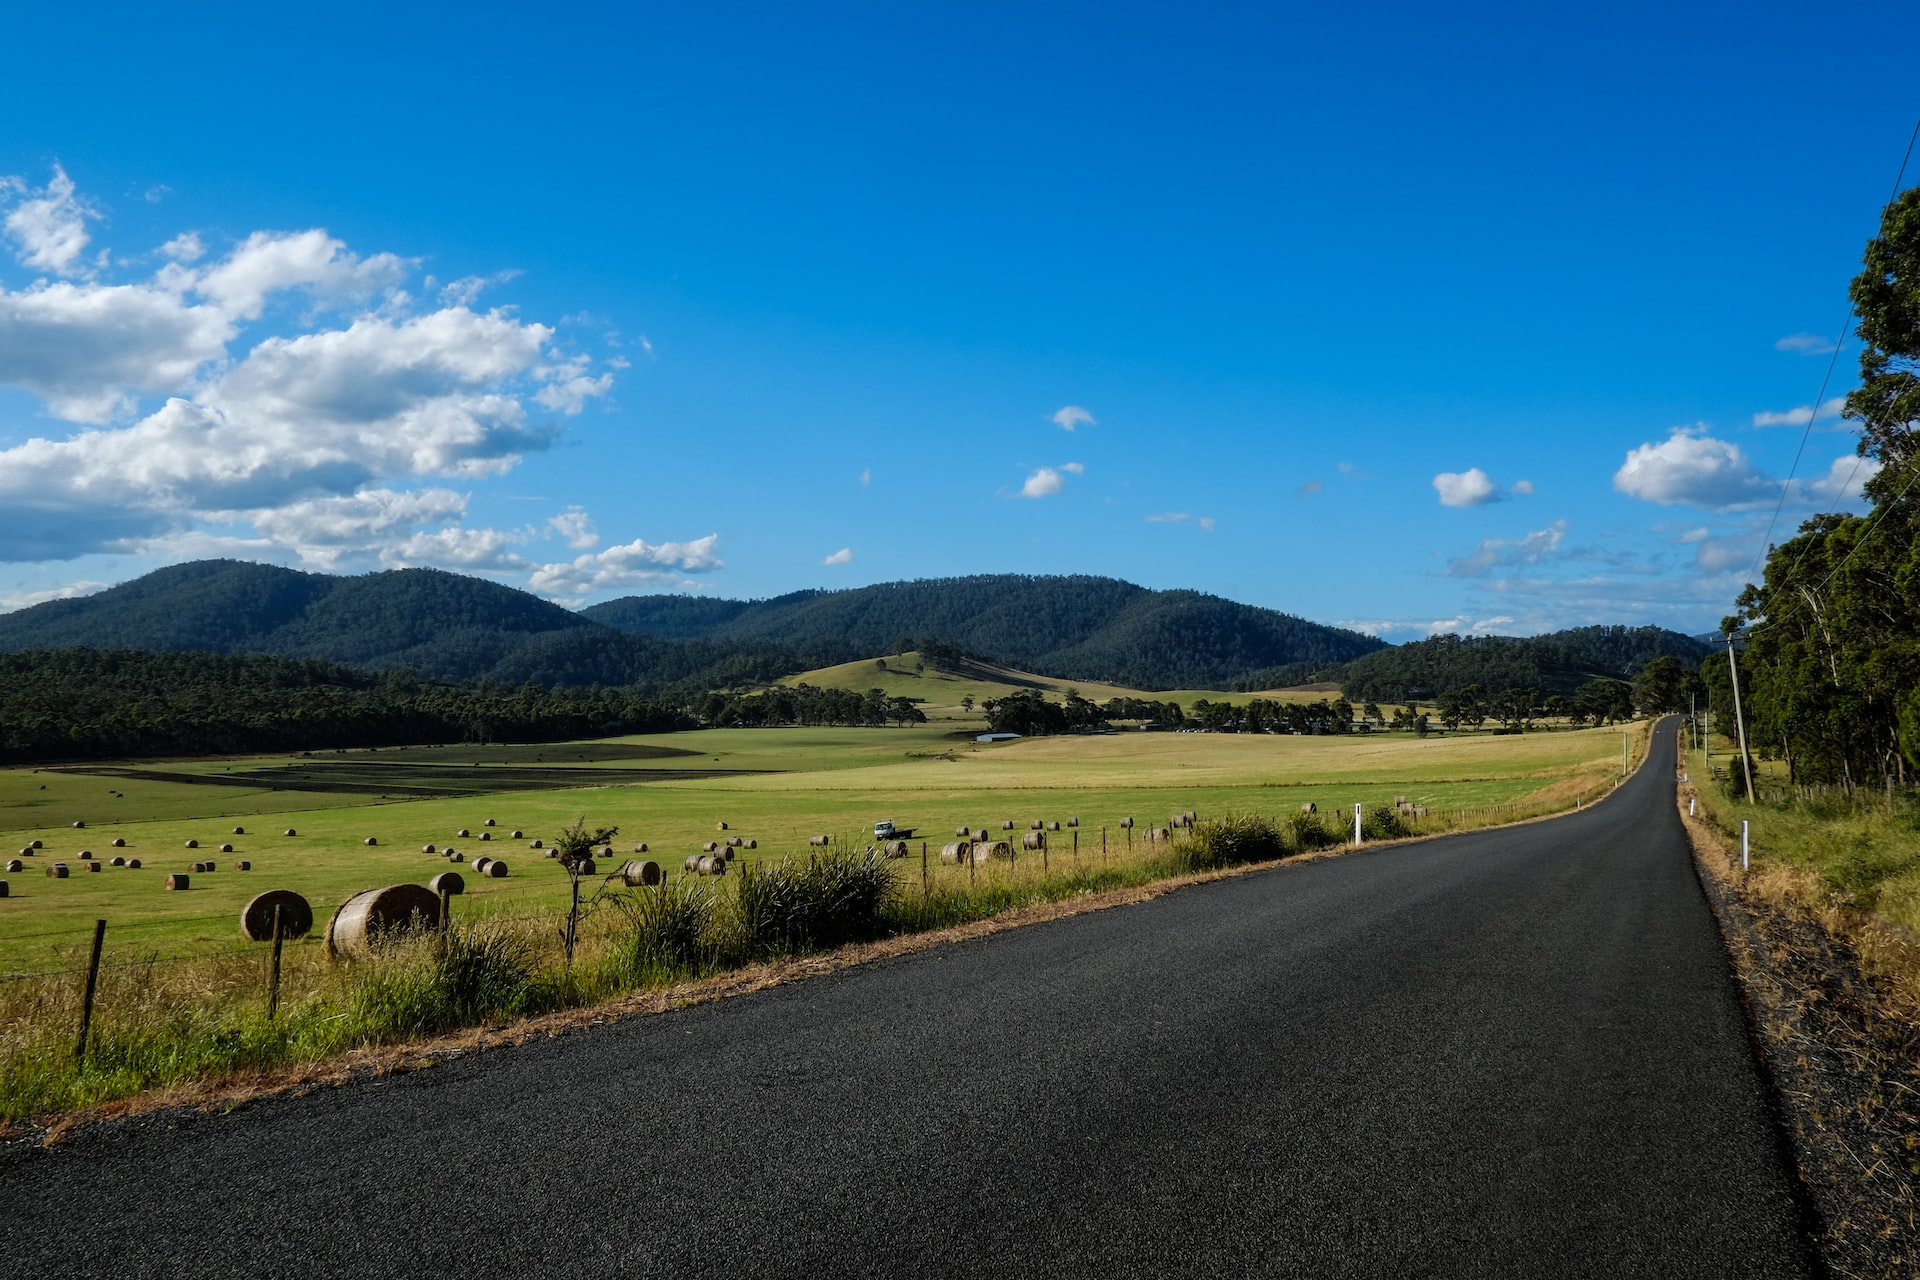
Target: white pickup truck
[[887, 831]]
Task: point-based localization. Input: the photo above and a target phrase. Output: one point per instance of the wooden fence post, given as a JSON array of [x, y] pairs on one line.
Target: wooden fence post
[[86, 1001], [273, 984]]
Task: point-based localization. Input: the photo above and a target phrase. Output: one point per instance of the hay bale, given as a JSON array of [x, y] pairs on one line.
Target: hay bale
[[1400, 802], [496, 869], [451, 883], [243, 866], [711, 866], [711, 846], [256, 918], [370, 841], [519, 834], [727, 853], [751, 844], [193, 844], [480, 865], [79, 826], [93, 866], [15, 865], [956, 853], [733, 842], [427, 848], [116, 861], [985, 850], [1053, 826], [1158, 833], [1309, 807], [133, 864], [637, 874], [1007, 825], [894, 848], [199, 866], [587, 866], [692, 863], [1127, 823], [290, 831], [720, 826], [1035, 825], [4, 890], [536, 845], [36, 845], [486, 835], [1073, 822], [239, 831], [553, 853], [980, 834], [490, 822], [226, 848], [57, 871], [1034, 840], [819, 841], [86, 855], [119, 843], [641, 847], [464, 834], [963, 832], [371, 916], [454, 855], [177, 880]]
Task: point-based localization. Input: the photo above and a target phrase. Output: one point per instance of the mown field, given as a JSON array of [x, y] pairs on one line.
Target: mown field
[[776, 786]]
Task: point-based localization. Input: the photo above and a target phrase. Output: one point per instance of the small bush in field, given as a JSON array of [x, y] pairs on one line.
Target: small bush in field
[[1235, 840], [1309, 833], [1384, 823], [670, 930], [818, 902]]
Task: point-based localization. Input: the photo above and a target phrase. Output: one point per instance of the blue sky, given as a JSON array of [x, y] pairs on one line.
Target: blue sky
[[1394, 318]]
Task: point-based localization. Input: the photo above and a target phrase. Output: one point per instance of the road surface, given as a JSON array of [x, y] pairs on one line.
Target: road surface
[[1511, 1053]]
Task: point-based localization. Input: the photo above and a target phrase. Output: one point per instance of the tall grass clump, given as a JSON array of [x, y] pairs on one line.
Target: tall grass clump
[[1233, 841], [465, 976], [668, 934], [814, 903], [1384, 822], [1308, 833]]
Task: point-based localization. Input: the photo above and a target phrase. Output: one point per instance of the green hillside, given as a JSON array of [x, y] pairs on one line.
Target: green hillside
[[1558, 662]]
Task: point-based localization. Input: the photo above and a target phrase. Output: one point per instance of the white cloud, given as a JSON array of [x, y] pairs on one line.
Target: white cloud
[[1522, 488], [866, 477], [1469, 488], [576, 526], [1310, 488], [1806, 344], [1168, 517], [1801, 415], [1073, 468], [1072, 416], [1206, 522], [1692, 468], [843, 556], [632, 564], [49, 225], [1043, 483], [1530, 549], [87, 349], [27, 599], [269, 262], [1841, 485], [185, 247], [465, 291]]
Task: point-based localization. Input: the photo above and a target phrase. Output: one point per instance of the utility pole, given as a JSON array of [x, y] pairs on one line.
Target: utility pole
[[1739, 718]]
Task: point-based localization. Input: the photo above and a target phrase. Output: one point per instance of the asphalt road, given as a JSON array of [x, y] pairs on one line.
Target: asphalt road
[[1508, 1054]]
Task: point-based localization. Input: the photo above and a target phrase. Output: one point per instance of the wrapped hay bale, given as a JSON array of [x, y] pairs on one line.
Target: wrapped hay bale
[[710, 846], [486, 835], [1073, 822], [370, 841], [519, 835], [451, 883], [119, 843], [692, 863], [243, 866], [895, 848], [115, 861], [536, 845], [427, 848], [290, 831], [637, 874], [15, 865], [641, 847], [496, 869], [226, 848], [239, 831], [133, 864], [86, 855], [489, 823], [464, 834], [1034, 840], [371, 916], [193, 844], [957, 852], [79, 826], [751, 844], [256, 918], [819, 841], [58, 871], [1127, 823], [177, 880]]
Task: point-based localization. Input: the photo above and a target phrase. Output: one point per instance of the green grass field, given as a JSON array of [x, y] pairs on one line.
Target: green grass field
[[942, 690], [776, 786]]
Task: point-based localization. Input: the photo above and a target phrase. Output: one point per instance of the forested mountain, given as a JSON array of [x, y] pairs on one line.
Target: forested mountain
[[81, 703], [1559, 662], [1078, 628]]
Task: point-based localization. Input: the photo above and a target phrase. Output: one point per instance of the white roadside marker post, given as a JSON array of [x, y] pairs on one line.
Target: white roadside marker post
[[1744, 849], [1356, 826]]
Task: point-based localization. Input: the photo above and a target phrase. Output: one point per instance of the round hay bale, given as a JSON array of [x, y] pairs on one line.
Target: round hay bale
[[371, 916], [480, 865], [607, 852], [454, 855], [1158, 833], [486, 835], [490, 823], [133, 864], [226, 848], [119, 843], [15, 865], [26, 851], [721, 826], [177, 880], [115, 861], [553, 853], [451, 883], [1007, 825], [93, 866], [985, 850], [427, 848], [1034, 840], [519, 834], [79, 825], [536, 845], [710, 846], [1127, 823], [733, 842], [256, 918], [199, 866], [751, 844], [290, 831], [692, 863], [464, 834], [962, 832], [1053, 826], [4, 890], [36, 845], [894, 848], [1191, 817], [370, 841], [956, 853], [726, 854], [193, 844], [588, 866], [57, 871], [980, 833], [1035, 825], [243, 866], [86, 855], [641, 847], [819, 841], [637, 874], [496, 869], [1073, 822], [1309, 807], [239, 831]]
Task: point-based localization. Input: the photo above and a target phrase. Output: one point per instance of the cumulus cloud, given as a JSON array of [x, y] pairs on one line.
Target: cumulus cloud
[[27, 599], [1522, 488], [843, 556], [1072, 416], [1469, 488], [1492, 552], [1806, 344], [1310, 488], [1043, 483], [302, 434], [576, 526], [1801, 415], [1842, 484], [632, 564], [1692, 468], [1206, 522], [49, 225]]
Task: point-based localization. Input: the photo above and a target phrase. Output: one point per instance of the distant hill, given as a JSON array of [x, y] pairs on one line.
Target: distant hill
[[1558, 662], [1072, 628]]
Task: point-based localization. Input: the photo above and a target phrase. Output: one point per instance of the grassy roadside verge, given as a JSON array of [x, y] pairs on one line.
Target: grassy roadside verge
[[1819, 935]]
